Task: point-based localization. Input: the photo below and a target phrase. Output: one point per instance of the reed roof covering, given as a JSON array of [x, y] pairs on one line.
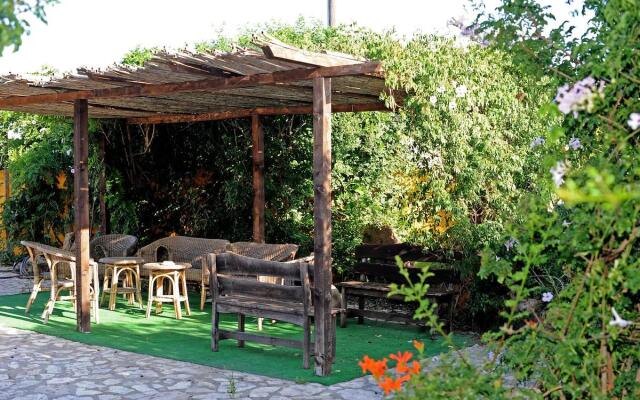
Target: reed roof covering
[[187, 86]]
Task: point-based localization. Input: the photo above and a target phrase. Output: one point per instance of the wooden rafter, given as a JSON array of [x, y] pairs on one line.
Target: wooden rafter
[[209, 85], [217, 116]]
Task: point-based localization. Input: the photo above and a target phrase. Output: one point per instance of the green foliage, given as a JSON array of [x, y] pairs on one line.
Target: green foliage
[[13, 20], [38, 153], [575, 240]]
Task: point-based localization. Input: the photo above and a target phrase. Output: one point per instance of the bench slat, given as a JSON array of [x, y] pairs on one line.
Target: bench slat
[[242, 286]]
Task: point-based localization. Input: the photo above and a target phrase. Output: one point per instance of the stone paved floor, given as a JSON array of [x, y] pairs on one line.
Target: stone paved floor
[[36, 366]]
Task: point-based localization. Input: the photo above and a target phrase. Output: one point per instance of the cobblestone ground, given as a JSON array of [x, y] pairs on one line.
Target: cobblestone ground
[[36, 366]]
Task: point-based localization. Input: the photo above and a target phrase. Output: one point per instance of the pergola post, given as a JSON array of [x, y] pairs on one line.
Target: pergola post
[[81, 196], [257, 136], [322, 223]]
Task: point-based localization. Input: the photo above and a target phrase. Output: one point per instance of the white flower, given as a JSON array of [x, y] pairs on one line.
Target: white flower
[[617, 321], [557, 173], [33, 122], [539, 141], [461, 91], [509, 244], [574, 143], [14, 135], [441, 89], [433, 100], [73, 170], [547, 297], [452, 105], [566, 223], [634, 121]]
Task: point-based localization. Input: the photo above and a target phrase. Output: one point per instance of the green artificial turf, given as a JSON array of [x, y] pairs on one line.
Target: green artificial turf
[[189, 339]]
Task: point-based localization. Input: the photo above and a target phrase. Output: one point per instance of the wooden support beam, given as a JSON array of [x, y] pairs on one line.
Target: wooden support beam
[[257, 136], [81, 195], [322, 223], [102, 188], [217, 116], [372, 68]]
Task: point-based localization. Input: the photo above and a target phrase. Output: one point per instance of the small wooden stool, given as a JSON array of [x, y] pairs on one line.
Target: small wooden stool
[[175, 273], [114, 266]]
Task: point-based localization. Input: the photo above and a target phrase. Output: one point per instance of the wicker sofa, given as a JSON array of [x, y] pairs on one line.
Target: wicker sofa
[[183, 249]]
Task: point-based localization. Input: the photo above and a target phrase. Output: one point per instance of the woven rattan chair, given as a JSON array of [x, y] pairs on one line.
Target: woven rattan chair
[[114, 245], [261, 251], [183, 249]]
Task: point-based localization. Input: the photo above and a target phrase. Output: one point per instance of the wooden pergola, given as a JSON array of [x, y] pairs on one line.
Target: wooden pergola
[[188, 87]]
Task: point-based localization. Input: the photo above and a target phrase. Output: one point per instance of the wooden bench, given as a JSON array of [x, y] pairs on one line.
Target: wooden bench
[[235, 289], [377, 268]]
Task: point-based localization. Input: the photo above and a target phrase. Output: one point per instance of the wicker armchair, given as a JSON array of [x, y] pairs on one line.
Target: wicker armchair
[[262, 251], [115, 245], [183, 249]]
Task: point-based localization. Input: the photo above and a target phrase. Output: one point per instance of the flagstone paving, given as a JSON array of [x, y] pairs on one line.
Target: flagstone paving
[[34, 366]]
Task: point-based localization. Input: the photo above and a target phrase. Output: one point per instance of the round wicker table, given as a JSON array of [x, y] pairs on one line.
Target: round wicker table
[[175, 274], [131, 288]]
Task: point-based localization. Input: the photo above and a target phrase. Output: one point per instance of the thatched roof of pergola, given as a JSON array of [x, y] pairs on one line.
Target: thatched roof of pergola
[[180, 86]]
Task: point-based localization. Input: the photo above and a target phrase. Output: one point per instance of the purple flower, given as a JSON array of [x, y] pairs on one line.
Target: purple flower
[[539, 141], [634, 121], [509, 244], [579, 97], [557, 173], [547, 297], [574, 143]]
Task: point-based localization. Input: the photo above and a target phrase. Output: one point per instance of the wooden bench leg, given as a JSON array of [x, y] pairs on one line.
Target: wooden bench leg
[[215, 329], [360, 307], [343, 306], [240, 328], [306, 343]]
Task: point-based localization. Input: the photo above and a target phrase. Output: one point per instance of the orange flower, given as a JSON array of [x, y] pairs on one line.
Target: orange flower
[[402, 368], [418, 345], [531, 323], [376, 368], [390, 384], [415, 368], [364, 364], [401, 357]]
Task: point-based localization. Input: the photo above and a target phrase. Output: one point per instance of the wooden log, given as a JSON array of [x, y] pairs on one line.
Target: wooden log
[[222, 115], [81, 194], [102, 188], [257, 135], [372, 68], [322, 223]]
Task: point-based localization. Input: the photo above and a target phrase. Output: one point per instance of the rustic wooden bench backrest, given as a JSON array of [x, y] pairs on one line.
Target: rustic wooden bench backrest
[[233, 269], [378, 262]]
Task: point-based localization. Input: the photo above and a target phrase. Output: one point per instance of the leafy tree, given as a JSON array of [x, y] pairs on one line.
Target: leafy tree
[[13, 20]]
